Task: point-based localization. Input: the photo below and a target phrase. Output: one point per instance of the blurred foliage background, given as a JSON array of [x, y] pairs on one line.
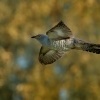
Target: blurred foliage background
[[74, 77]]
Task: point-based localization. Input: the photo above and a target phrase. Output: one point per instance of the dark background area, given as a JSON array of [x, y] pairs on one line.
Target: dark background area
[[76, 76]]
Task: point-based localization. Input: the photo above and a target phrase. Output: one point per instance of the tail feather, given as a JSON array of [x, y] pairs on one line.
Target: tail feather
[[90, 47]]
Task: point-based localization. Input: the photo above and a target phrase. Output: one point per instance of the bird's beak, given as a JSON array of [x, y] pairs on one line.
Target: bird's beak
[[33, 37]]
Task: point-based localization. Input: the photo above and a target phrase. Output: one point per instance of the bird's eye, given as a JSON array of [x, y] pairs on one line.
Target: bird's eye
[[39, 35]]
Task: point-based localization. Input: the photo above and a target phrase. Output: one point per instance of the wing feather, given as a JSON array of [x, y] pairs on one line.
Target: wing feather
[[59, 31], [48, 56]]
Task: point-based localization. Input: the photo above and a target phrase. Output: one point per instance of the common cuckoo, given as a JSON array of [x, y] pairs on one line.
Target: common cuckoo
[[58, 40]]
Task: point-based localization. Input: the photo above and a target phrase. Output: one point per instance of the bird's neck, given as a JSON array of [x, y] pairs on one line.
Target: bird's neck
[[45, 42]]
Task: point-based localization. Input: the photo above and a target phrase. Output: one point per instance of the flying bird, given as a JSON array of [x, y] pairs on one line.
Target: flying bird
[[58, 40]]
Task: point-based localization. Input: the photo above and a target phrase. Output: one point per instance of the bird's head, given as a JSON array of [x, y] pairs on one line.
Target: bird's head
[[43, 39], [39, 36]]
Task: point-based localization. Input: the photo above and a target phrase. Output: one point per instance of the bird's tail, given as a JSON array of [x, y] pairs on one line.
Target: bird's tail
[[85, 46]]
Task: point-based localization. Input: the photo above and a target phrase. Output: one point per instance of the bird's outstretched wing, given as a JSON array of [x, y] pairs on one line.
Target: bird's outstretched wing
[[48, 56], [90, 47], [59, 31]]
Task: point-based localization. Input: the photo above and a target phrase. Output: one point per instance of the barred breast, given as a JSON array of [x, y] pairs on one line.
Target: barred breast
[[64, 45]]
